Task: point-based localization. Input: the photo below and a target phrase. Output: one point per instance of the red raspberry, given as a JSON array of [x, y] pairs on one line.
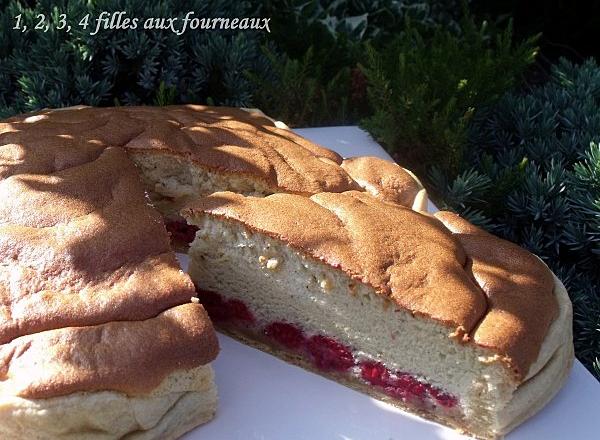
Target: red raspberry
[[239, 311], [214, 305], [374, 373], [410, 384], [220, 309], [396, 392], [418, 390], [400, 387], [444, 399], [180, 231], [288, 335], [329, 355]]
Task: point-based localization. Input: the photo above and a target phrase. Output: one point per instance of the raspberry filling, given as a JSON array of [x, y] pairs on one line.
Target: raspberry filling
[[403, 386], [285, 334], [327, 354], [180, 231], [220, 309]]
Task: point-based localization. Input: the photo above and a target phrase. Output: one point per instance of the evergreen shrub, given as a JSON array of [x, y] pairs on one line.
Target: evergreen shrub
[[426, 85], [125, 67]]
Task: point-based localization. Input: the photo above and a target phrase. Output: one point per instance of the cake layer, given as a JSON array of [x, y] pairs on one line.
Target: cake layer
[[98, 338], [284, 286], [109, 356], [321, 352], [219, 140], [527, 400], [182, 401], [385, 283]]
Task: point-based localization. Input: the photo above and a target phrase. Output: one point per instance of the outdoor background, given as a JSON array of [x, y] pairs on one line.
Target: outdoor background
[[494, 104]]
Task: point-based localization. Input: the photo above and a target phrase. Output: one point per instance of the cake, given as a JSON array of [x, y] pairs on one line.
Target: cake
[[98, 338], [429, 313], [320, 260]]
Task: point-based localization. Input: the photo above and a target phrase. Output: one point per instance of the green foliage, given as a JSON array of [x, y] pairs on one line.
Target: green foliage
[[540, 154], [55, 68], [321, 22], [424, 87], [321, 54], [314, 46], [296, 92], [165, 95]]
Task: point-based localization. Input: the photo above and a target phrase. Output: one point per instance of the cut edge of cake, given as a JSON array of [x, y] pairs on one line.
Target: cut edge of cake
[[308, 317], [172, 180]]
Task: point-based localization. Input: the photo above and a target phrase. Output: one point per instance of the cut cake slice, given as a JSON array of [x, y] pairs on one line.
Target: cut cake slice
[[430, 314]]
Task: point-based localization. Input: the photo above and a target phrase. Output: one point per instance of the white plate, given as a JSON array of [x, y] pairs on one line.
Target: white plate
[[261, 397]]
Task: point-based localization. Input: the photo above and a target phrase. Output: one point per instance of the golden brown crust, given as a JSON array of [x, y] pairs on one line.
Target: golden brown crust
[[383, 179], [415, 261], [224, 140], [132, 357], [519, 290], [280, 159], [70, 254], [86, 265]]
